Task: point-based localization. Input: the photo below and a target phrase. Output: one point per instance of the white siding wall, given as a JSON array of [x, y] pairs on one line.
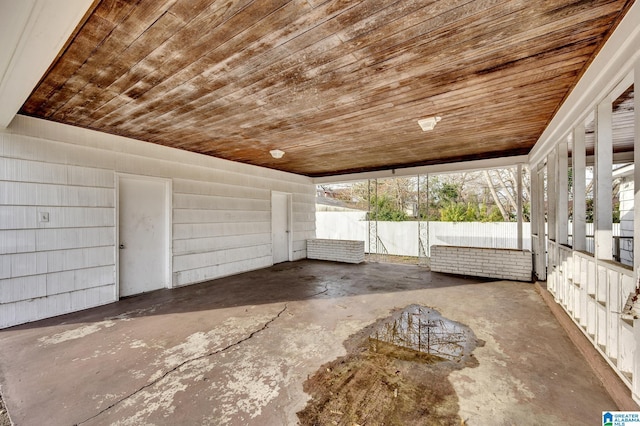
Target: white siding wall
[[221, 215]]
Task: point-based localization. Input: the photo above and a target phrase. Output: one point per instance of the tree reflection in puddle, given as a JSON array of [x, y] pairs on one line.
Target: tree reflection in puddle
[[395, 372], [423, 330]]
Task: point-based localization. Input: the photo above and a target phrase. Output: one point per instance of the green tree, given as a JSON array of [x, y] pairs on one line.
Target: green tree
[[471, 214], [386, 210], [494, 215], [453, 212], [488, 195]]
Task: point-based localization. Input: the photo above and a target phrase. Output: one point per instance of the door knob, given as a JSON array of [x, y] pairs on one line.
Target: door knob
[[121, 246]]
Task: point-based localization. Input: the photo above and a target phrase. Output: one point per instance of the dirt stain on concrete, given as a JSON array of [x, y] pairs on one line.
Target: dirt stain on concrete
[[395, 373], [4, 415]]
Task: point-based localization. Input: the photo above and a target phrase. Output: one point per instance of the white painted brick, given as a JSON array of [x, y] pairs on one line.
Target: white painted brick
[[493, 263], [336, 250]]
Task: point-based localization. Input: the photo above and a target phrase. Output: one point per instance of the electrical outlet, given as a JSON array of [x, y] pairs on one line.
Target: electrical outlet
[[44, 216]]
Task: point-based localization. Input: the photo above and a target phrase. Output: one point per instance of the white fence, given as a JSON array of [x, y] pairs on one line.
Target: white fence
[[402, 238]]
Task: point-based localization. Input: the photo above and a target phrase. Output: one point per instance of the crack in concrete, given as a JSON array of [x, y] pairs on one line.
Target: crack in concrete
[[326, 289], [167, 373]]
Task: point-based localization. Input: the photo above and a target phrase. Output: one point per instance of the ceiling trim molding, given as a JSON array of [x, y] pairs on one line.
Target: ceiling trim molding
[[463, 166], [609, 68], [32, 34]]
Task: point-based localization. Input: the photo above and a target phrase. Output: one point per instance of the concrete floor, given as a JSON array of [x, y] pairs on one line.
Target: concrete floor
[[237, 350]]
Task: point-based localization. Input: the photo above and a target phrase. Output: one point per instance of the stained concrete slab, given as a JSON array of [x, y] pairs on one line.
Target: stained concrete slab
[[237, 350]]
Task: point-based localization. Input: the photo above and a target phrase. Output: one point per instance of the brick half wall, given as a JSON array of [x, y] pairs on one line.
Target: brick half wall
[[347, 251], [507, 264]]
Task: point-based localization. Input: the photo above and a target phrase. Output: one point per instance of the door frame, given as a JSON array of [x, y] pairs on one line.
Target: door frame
[[289, 209], [168, 202]]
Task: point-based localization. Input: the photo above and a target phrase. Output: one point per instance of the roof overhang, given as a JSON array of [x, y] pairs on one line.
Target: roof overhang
[[609, 75]]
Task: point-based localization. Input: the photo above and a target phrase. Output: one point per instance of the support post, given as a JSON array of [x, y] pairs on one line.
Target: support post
[[562, 192], [538, 221], [519, 201], [535, 209], [552, 175], [603, 206], [535, 214], [423, 226], [579, 158], [373, 217]]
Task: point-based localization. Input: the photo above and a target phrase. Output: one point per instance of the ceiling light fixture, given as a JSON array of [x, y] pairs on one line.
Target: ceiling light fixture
[[276, 153], [427, 124]]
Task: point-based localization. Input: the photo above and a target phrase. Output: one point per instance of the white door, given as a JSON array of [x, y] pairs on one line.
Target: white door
[[142, 234], [280, 226]]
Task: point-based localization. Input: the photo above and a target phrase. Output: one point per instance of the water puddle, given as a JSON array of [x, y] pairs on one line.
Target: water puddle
[[423, 334], [395, 373]]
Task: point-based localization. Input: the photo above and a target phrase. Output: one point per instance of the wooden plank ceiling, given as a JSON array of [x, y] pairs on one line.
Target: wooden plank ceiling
[[337, 85], [622, 121]]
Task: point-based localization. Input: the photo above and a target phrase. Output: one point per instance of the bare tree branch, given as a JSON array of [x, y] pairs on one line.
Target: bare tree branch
[[495, 195], [507, 193]]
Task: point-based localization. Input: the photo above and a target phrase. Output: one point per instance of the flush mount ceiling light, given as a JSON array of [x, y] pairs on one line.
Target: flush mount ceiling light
[[427, 124], [276, 153]]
